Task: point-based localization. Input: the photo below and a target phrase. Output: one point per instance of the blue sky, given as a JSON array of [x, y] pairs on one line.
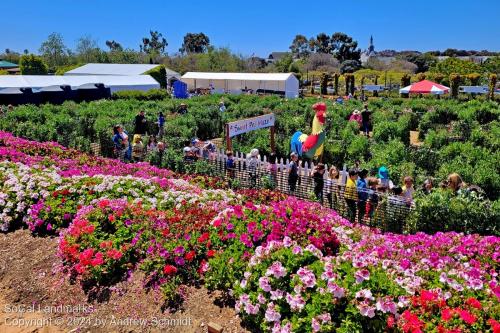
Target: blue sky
[[255, 27]]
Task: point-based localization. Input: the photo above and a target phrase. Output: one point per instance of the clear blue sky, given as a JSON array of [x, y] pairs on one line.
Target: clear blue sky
[[255, 27]]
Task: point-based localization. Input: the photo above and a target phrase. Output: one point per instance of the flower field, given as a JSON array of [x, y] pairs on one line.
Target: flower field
[[289, 265]]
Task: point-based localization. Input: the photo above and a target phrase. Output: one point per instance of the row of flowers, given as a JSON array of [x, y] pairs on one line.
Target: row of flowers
[[290, 265]]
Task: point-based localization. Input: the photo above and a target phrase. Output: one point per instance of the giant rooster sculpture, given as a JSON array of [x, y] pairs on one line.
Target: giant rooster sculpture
[[311, 145]]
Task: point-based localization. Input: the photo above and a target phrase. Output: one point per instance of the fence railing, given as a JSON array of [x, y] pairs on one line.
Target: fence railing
[[374, 208]]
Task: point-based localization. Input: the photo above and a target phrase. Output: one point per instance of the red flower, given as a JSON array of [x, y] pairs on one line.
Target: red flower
[[114, 254], [210, 253], [89, 229], [474, 303], [446, 314], [203, 238], [468, 317], [103, 203], [111, 217], [98, 260], [390, 321], [495, 325], [169, 270], [106, 244], [189, 255]]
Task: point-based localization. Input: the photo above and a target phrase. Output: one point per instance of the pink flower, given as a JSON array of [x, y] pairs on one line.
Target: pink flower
[[315, 325], [362, 275], [307, 277], [366, 309], [276, 269], [271, 314], [386, 305], [277, 294], [264, 284], [365, 293], [296, 302], [337, 291]]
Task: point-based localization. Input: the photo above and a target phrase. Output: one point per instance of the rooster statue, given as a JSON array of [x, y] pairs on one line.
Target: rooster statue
[[311, 146]]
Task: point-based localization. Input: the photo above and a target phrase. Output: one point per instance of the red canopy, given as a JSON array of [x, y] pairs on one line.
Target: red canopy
[[425, 87]]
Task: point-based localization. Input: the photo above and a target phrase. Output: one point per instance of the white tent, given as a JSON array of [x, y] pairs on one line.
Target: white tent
[[237, 82], [111, 69], [114, 82]]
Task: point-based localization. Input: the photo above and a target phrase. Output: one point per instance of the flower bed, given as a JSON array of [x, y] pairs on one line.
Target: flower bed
[[290, 265]]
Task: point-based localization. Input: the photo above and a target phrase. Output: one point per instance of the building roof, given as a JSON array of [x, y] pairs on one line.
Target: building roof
[[7, 64], [42, 81], [112, 69], [238, 76]]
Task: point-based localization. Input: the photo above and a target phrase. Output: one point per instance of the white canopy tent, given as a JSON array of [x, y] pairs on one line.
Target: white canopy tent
[[237, 82], [111, 69], [114, 82]]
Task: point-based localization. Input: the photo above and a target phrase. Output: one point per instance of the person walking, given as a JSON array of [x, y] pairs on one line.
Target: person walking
[[161, 125], [293, 173], [366, 120], [140, 123]]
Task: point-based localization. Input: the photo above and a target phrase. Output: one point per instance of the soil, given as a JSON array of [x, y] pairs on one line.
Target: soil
[[35, 296]]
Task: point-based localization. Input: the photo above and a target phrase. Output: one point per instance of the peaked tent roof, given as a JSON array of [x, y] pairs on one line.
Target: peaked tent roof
[[111, 69], [238, 76], [7, 64], [425, 87]]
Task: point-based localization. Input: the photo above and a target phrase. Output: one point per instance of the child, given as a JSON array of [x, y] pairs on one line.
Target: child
[[373, 198], [230, 165], [319, 181], [137, 149], [293, 174], [253, 164], [408, 189]]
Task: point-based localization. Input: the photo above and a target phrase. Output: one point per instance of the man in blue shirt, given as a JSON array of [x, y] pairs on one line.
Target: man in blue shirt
[[161, 125]]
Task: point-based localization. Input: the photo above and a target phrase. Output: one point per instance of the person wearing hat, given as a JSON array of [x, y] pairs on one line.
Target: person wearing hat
[[383, 178], [182, 109], [253, 164], [222, 107], [356, 116]]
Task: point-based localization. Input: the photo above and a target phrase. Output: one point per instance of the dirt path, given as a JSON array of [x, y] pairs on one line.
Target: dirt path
[[36, 297]]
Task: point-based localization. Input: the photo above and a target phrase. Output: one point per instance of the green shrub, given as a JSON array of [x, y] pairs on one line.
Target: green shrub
[[159, 74], [150, 95], [444, 211]]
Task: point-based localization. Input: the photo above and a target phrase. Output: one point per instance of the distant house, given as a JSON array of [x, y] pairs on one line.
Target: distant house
[[7, 65], [276, 56]]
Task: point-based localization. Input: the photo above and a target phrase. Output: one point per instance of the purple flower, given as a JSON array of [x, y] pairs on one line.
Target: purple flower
[[179, 261], [366, 309], [296, 302], [277, 294], [179, 250], [49, 227], [315, 325], [230, 226]]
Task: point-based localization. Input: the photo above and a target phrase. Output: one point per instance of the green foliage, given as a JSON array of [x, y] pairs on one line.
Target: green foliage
[[150, 95], [455, 66], [66, 68], [324, 83], [159, 74], [455, 81], [444, 211], [195, 43], [283, 64], [492, 85], [53, 50], [32, 65]]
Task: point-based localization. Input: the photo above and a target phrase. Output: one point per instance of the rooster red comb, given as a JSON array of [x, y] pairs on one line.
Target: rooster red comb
[[319, 106]]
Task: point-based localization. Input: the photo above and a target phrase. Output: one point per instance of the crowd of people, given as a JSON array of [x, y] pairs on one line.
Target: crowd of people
[[135, 149]]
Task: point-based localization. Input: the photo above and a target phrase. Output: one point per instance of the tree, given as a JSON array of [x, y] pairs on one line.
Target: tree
[[423, 61], [456, 66], [321, 44], [324, 83], [32, 65], [300, 46], [344, 47], [114, 45], [474, 79], [154, 46], [322, 62], [284, 63], [492, 65], [87, 50], [492, 86], [350, 66], [26, 51], [336, 83], [195, 43], [455, 80], [54, 51]]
